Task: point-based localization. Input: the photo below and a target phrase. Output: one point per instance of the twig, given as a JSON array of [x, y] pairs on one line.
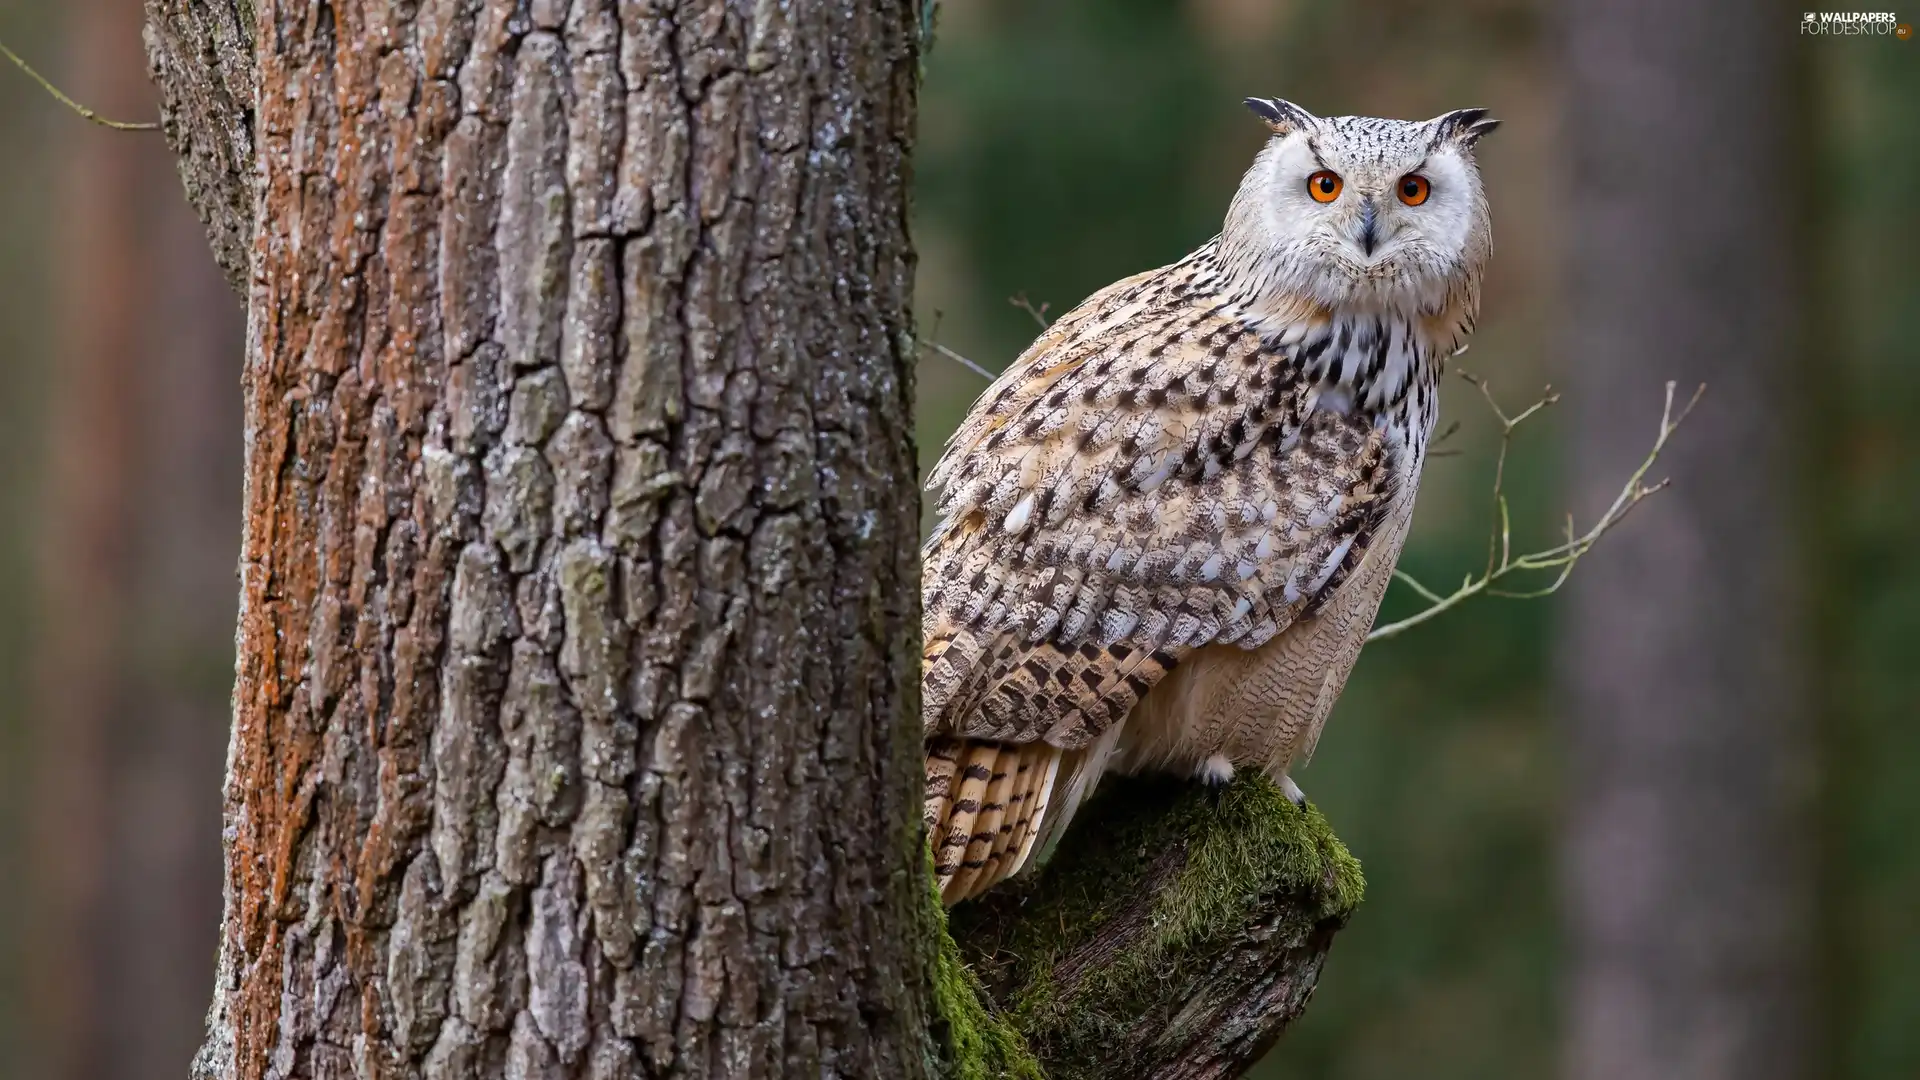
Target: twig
[[934, 346], [1039, 314], [1501, 562], [931, 343], [86, 113], [1507, 424], [1446, 433]]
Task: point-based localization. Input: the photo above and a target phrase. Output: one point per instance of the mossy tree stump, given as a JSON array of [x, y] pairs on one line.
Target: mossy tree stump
[[1175, 935]]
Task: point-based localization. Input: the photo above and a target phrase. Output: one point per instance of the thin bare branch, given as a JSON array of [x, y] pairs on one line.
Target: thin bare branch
[[931, 343], [1413, 583], [1559, 559], [934, 346], [85, 113], [1499, 545], [1039, 313]]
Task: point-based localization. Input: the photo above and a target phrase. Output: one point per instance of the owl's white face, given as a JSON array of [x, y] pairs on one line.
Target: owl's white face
[[1360, 212]]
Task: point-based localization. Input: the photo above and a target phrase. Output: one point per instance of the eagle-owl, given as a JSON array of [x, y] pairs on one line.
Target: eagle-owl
[[1165, 530]]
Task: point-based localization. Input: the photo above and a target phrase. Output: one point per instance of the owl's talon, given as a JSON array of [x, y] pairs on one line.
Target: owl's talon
[[1293, 793], [1216, 771]]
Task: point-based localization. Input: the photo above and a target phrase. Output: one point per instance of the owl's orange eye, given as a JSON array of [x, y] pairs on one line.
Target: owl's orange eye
[[1323, 186], [1414, 189]]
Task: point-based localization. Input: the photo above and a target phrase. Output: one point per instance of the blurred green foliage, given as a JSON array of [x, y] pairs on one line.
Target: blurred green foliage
[[1867, 388], [26, 338]]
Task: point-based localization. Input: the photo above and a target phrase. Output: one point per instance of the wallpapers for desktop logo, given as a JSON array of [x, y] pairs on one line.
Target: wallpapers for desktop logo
[[1854, 24]]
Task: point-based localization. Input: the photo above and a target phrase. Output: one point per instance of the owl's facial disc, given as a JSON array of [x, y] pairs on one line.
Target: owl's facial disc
[[1386, 218], [1381, 222]]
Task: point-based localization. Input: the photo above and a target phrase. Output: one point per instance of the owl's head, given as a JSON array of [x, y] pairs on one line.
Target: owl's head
[[1356, 211]]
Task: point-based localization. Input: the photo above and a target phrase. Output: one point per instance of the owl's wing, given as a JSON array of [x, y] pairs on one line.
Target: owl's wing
[[1149, 478]]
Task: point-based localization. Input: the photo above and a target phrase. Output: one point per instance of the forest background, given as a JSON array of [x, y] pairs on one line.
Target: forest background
[[1064, 145]]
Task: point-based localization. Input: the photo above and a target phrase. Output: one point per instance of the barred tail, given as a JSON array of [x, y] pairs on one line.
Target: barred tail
[[985, 803]]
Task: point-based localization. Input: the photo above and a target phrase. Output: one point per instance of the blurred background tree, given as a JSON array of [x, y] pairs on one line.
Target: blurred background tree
[[1064, 144], [119, 499], [1686, 658]]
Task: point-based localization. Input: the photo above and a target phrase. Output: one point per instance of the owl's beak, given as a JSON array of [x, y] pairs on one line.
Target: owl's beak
[[1366, 226]]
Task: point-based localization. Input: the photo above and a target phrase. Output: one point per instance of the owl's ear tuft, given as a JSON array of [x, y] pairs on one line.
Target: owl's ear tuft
[[1282, 116], [1462, 127]]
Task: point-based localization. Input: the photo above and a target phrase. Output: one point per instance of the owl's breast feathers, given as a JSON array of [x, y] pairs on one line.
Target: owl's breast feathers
[[1157, 474], [1151, 476]]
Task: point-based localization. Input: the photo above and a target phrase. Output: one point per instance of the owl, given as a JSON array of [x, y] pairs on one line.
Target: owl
[[1165, 530]]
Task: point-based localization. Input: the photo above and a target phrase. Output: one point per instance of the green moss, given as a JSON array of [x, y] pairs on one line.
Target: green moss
[[973, 1042], [1254, 841], [1197, 865]]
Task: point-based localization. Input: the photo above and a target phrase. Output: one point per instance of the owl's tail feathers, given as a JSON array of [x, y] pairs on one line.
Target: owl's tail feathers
[[984, 803]]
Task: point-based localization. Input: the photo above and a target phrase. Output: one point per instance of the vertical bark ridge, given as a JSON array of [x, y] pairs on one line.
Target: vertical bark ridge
[[576, 709]]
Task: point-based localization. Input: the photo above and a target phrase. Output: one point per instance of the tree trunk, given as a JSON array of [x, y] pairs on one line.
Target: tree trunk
[[576, 715], [1687, 876], [136, 624]]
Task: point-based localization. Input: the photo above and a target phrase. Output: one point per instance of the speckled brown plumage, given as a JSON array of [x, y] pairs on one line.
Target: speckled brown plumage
[[1198, 470]]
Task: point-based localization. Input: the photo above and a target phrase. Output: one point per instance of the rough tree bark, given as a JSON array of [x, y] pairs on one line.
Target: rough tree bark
[[1687, 877], [573, 718], [201, 56], [576, 721]]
